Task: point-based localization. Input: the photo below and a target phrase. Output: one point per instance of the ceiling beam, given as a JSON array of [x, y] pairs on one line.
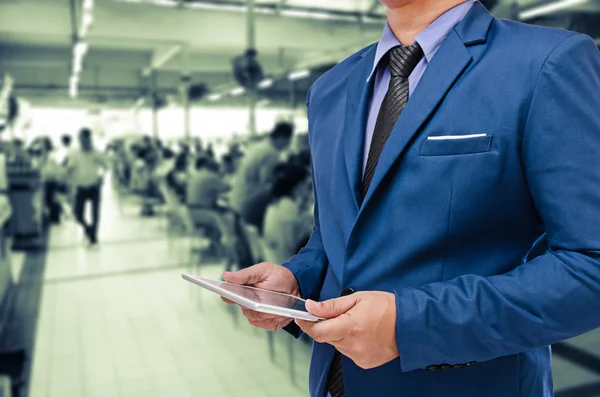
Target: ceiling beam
[[274, 8]]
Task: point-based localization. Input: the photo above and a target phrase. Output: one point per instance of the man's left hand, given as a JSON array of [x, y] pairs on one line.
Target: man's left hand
[[361, 326]]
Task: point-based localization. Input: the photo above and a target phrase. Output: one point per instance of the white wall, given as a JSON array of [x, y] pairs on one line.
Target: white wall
[[208, 123]]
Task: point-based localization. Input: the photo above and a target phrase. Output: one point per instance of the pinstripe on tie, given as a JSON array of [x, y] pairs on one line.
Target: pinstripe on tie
[[402, 62]]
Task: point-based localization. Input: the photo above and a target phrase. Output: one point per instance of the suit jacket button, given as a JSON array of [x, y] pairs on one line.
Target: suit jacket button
[[445, 367], [459, 366], [433, 368], [471, 363], [347, 291]]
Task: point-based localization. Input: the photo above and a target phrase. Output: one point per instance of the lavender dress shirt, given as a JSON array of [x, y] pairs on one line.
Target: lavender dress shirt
[[430, 40]]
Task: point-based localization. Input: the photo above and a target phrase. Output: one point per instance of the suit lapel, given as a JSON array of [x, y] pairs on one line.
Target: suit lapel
[[357, 102], [446, 66]]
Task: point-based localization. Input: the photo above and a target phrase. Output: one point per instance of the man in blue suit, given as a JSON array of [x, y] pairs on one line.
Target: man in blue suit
[[457, 183]]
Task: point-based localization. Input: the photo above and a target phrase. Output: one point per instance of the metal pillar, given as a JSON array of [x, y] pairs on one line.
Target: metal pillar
[[251, 36], [185, 91], [154, 98], [292, 95]]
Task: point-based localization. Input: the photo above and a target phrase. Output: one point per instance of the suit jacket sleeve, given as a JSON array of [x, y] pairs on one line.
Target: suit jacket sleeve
[[556, 295], [310, 264]]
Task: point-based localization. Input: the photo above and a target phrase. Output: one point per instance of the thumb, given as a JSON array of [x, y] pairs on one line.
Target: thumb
[[248, 276], [331, 308]]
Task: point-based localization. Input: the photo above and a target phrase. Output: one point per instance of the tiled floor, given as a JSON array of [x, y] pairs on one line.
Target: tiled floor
[[118, 321]]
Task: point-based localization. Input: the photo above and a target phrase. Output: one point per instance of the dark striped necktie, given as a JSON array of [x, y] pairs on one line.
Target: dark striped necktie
[[402, 61]]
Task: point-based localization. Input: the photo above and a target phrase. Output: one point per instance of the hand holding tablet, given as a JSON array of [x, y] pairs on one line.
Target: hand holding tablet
[[257, 299]]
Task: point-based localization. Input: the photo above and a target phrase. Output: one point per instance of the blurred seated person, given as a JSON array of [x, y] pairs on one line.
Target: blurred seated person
[[205, 188], [140, 173], [210, 151], [178, 175], [166, 163], [252, 184], [19, 156], [205, 184], [287, 219], [228, 164]]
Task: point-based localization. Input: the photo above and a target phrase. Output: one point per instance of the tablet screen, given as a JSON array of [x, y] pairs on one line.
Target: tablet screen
[[261, 295]]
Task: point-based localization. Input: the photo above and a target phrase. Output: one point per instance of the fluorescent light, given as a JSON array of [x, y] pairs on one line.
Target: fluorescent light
[[216, 7], [80, 49], [140, 102], [371, 20], [266, 83], [238, 91], [166, 56], [266, 11], [88, 5], [73, 82], [215, 97], [263, 103], [549, 8], [77, 67], [165, 3], [300, 74], [87, 19], [317, 15]]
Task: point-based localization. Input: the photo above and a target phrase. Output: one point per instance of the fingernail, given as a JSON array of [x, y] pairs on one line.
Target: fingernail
[[315, 302]]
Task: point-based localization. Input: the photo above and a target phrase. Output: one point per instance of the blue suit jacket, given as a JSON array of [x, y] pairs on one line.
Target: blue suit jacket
[[491, 245]]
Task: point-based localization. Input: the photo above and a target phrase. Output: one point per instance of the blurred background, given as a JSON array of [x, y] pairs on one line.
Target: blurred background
[[196, 111]]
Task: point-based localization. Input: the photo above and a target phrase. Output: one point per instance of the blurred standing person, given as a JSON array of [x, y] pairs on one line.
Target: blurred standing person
[[86, 167], [251, 190], [62, 154]]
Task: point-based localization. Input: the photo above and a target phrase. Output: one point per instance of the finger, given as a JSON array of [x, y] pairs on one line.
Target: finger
[[331, 308], [228, 301], [248, 276], [257, 316], [271, 324], [328, 331]]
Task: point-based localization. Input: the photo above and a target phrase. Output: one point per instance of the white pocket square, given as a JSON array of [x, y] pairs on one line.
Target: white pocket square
[[453, 137]]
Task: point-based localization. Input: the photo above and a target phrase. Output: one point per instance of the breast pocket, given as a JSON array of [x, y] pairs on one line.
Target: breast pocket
[[452, 145]]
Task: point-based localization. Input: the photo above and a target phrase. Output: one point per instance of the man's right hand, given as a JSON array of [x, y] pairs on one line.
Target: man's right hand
[[266, 276]]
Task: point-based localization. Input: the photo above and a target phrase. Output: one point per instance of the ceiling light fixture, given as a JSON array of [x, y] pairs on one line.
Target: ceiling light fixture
[[549, 8], [88, 5], [266, 83], [321, 15], [80, 49], [300, 74], [238, 91], [215, 97]]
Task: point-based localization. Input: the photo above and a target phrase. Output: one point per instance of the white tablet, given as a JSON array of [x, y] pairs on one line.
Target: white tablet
[[260, 300]]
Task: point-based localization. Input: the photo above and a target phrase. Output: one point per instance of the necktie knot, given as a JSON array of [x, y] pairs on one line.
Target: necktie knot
[[403, 60]]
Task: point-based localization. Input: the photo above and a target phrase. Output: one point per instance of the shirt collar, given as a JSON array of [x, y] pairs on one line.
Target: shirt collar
[[430, 39]]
